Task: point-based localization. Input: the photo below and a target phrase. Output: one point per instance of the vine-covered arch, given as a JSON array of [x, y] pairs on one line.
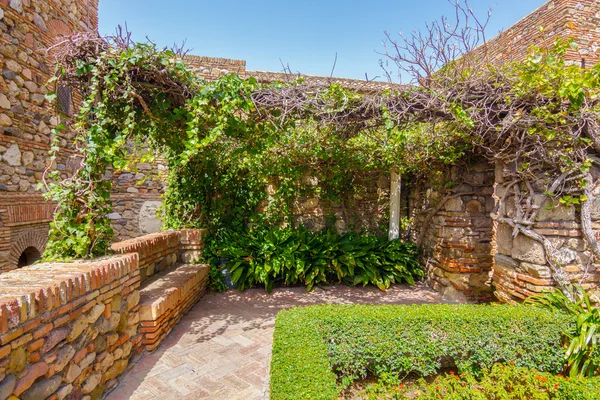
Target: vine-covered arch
[[226, 140]]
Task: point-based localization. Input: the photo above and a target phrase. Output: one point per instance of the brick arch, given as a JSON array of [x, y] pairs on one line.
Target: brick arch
[[31, 238]]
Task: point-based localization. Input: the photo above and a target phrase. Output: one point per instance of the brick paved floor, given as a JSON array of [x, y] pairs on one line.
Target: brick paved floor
[[221, 349]]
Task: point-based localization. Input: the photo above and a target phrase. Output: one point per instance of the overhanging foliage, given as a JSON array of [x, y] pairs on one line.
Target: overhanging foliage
[[225, 141]]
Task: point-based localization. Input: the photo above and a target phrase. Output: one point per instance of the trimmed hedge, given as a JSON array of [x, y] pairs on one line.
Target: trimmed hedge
[[315, 346], [503, 381]]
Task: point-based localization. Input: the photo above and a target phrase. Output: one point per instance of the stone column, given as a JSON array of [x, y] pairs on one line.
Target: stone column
[[395, 192], [457, 241]]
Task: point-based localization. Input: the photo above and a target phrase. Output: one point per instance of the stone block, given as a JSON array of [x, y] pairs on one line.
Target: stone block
[[148, 219], [529, 250], [474, 206], [87, 361], [116, 370], [455, 204], [63, 357], [43, 389], [450, 233], [535, 270], [96, 312], [450, 295], [73, 373], [32, 373], [13, 155], [480, 282], [105, 325], [556, 212], [64, 391], [78, 327], [7, 386], [133, 300], [91, 382], [458, 280], [18, 359]]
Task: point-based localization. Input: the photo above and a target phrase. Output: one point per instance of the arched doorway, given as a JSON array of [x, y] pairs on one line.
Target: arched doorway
[[28, 247], [29, 256]]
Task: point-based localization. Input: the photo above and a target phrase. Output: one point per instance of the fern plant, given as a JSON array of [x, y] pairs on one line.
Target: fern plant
[[583, 336]]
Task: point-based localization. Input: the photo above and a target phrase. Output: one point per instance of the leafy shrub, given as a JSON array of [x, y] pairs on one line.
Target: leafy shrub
[[300, 368], [315, 345], [583, 357], [501, 382], [216, 281], [298, 256]]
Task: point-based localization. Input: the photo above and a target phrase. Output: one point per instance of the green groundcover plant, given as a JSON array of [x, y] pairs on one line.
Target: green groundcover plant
[[319, 350], [501, 382], [297, 256]]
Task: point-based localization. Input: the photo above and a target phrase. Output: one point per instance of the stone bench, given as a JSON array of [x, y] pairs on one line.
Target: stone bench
[[167, 297]]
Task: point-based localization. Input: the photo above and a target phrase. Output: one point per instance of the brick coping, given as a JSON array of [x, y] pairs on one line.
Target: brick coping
[[27, 292], [165, 290]]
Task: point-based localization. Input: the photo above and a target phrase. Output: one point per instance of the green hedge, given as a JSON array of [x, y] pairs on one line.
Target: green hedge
[[315, 346], [503, 381]]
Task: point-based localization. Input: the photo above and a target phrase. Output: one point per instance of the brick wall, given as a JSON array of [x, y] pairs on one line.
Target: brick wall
[[214, 67], [157, 251], [24, 222], [68, 329], [576, 19]]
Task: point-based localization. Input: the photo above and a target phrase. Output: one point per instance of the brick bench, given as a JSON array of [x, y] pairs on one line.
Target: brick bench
[[167, 297]]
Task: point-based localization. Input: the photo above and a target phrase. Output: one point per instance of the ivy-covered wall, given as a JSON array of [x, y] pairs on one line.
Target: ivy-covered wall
[[27, 28], [521, 266]]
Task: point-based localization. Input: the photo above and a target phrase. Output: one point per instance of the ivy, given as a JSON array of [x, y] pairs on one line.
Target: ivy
[[235, 162]]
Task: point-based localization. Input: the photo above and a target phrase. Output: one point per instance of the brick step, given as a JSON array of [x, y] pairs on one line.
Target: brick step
[[167, 297]]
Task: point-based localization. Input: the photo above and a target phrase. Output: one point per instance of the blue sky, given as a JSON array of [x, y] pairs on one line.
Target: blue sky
[[305, 34]]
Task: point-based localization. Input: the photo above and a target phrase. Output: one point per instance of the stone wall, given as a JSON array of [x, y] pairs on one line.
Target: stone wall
[[27, 28], [450, 211], [136, 199], [521, 268], [68, 330], [367, 209]]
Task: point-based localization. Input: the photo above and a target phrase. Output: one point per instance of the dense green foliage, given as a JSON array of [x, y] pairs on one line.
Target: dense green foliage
[[287, 256], [502, 382], [235, 164], [300, 368], [221, 153], [111, 129], [356, 341], [583, 353]]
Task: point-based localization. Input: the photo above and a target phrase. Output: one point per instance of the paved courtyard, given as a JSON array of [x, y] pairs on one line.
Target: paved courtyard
[[222, 348]]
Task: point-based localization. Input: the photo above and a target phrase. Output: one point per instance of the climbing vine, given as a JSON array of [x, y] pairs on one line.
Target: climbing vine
[[237, 151], [230, 163]]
